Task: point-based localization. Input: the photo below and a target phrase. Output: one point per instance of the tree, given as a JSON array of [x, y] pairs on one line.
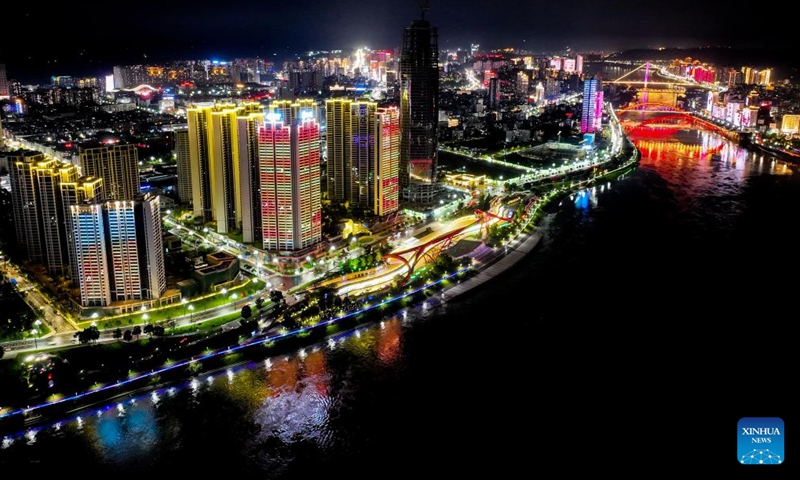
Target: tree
[[276, 296], [148, 329], [247, 312], [259, 302], [127, 336], [137, 330], [87, 335], [117, 334]]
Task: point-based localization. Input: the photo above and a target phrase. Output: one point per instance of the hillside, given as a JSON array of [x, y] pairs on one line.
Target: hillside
[[784, 62]]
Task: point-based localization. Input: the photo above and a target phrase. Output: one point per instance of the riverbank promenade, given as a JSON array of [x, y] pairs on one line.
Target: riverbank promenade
[[516, 249]]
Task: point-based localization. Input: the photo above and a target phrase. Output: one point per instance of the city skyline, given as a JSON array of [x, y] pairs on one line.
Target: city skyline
[[92, 42]]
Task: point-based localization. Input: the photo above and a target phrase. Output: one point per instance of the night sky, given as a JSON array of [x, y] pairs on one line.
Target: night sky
[[40, 41]]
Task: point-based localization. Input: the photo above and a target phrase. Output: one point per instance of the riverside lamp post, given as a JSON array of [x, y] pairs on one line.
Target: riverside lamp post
[[35, 333], [191, 313]]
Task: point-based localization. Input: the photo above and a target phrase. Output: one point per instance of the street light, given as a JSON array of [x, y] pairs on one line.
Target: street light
[[35, 333], [184, 301], [191, 313]]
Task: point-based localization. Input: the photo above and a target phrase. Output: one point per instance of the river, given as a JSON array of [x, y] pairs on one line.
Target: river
[[652, 315]]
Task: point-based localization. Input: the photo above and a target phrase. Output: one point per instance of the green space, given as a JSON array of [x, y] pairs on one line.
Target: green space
[[167, 313], [18, 321]]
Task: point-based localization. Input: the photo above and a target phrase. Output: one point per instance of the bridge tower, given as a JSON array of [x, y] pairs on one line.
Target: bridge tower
[[666, 92]]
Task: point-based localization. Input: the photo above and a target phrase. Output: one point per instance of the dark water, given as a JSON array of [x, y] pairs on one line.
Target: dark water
[[655, 312]]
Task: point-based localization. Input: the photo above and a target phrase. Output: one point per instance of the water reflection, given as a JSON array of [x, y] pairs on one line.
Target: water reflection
[[287, 399]]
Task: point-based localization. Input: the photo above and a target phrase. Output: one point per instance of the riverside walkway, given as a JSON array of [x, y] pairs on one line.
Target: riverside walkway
[[517, 249]]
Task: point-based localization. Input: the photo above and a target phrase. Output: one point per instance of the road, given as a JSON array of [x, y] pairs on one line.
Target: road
[[67, 339], [257, 259], [31, 294]]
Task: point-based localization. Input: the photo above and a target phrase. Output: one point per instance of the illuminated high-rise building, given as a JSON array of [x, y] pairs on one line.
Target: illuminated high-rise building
[[790, 124], [350, 146], [86, 190], [117, 165], [387, 161], [592, 110], [49, 176], [290, 110], [363, 154], [5, 86], [224, 155], [183, 162], [522, 83], [119, 250], [25, 202], [289, 171], [123, 250], [249, 181], [37, 203], [151, 250], [419, 111], [91, 257], [494, 93], [197, 117], [215, 161], [765, 77]]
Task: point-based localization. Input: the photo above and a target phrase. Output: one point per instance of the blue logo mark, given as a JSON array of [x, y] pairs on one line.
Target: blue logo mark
[[760, 441]]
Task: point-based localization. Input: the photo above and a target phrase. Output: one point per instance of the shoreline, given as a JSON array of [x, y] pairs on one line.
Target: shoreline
[[525, 242]]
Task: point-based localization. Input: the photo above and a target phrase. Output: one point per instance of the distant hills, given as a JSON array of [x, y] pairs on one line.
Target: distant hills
[[784, 62]]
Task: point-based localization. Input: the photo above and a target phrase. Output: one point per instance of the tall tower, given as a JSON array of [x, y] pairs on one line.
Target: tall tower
[[49, 176], [119, 251], [249, 186], [592, 109], [289, 160], [419, 110], [216, 162], [494, 93], [91, 260], [224, 154], [197, 117], [84, 191], [151, 246], [184, 165], [123, 250], [5, 86], [38, 209], [338, 137], [117, 165], [386, 161], [351, 149], [25, 202]]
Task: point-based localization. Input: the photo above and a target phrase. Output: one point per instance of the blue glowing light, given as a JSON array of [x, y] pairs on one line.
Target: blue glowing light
[[227, 350]]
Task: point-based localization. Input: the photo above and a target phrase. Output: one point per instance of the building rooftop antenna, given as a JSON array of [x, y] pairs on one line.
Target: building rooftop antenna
[[424, 7]]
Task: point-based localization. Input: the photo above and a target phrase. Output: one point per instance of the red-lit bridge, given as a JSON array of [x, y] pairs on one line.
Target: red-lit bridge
[[419, 251], [664, 120]]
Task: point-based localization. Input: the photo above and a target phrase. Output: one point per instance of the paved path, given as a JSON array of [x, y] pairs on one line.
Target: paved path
[[517, 249]]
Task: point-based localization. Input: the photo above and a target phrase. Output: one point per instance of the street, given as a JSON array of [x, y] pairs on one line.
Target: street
[[30, 293]]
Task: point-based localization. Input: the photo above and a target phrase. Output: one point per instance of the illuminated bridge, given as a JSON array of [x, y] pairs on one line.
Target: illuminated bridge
[[417, 252], [665, 120]]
